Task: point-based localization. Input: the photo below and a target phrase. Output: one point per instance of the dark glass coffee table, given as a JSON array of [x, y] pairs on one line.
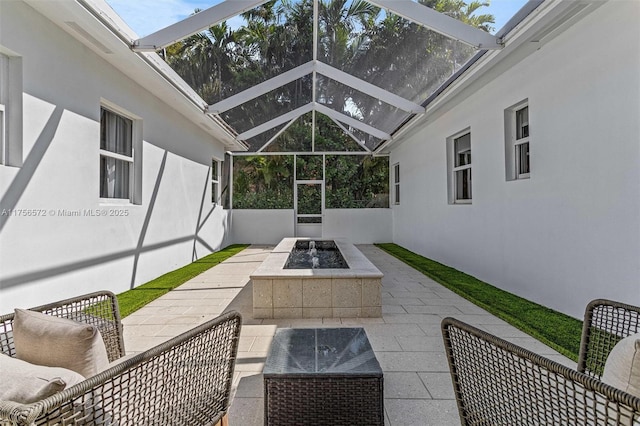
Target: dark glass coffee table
[[316, 376]]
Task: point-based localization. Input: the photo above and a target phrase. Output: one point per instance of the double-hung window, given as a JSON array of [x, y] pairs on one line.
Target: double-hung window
[[10, 109], [518, 163], [215, 179], [116, 155], [4, 91], [522, 143], [461, 168], [396, 183]]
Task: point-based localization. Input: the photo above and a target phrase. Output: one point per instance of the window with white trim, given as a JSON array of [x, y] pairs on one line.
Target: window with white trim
[[10, 110], [215, 180], [396, 183], [4, 89], [117, 156], [518, 163], [459, 165]]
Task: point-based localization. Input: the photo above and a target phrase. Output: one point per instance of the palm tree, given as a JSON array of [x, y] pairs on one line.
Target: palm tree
[[410, 60], [340, 40], [204, 60]]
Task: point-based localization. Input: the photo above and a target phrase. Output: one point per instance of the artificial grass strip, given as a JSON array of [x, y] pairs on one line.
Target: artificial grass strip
[[555, 329], [132, 300]]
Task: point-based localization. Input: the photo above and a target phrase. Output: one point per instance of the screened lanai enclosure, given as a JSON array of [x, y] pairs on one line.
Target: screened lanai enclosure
[[455, 145], [314, 89]]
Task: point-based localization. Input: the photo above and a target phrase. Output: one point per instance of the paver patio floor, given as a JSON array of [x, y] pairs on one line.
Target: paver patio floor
[[407, 339]]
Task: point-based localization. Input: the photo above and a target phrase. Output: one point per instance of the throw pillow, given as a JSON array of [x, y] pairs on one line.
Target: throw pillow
[[622, 368], [26, 383], [59, 342]]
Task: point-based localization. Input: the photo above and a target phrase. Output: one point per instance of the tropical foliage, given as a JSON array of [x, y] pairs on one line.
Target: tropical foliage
[[263, 182], [357, 182], [351, 181]]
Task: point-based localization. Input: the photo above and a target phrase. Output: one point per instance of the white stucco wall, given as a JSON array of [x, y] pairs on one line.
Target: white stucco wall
[[571, 232], [47, 258], [266, 227], [360, 226]]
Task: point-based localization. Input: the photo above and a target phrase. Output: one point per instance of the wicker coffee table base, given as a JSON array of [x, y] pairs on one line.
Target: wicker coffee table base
[[320, 400]]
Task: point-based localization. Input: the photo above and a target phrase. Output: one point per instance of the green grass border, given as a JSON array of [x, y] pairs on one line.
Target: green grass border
[[555, 329], [132, 300]]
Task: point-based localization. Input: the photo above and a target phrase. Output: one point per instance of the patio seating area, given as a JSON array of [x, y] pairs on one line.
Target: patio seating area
[[135, 156], [407, 340]]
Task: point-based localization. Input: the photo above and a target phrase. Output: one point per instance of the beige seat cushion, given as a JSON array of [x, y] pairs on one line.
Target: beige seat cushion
[[622, 369], [26, 383], [59, 342]]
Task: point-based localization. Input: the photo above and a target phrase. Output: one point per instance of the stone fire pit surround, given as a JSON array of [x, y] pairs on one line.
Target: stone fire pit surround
[[316, 293]]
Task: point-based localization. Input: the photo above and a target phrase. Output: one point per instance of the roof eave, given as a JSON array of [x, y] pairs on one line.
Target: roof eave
[[96, 25], [535, 24]]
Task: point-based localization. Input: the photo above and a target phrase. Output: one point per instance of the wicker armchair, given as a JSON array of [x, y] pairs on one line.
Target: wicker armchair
[[605, 324], [499, 383], [184, 381]]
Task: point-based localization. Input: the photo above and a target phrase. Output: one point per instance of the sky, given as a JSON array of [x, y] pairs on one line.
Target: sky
[[148, 16]]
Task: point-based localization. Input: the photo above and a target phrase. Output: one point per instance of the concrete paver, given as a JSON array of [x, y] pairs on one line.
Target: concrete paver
[[407, 339]]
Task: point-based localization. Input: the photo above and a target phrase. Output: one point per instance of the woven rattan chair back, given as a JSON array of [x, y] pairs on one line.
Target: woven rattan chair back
[[499, 383], [99, 309], [183, 381], [605, 323]]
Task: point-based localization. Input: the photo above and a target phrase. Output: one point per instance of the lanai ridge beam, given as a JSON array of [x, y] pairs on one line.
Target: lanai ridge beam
[[194, 24], [441, 23]]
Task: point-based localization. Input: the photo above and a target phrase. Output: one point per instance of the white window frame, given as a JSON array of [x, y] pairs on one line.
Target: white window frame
[[396, 184], [3, 132], [215, 180], [10, 108], [453, 169], [514, 144], [135, 160]]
